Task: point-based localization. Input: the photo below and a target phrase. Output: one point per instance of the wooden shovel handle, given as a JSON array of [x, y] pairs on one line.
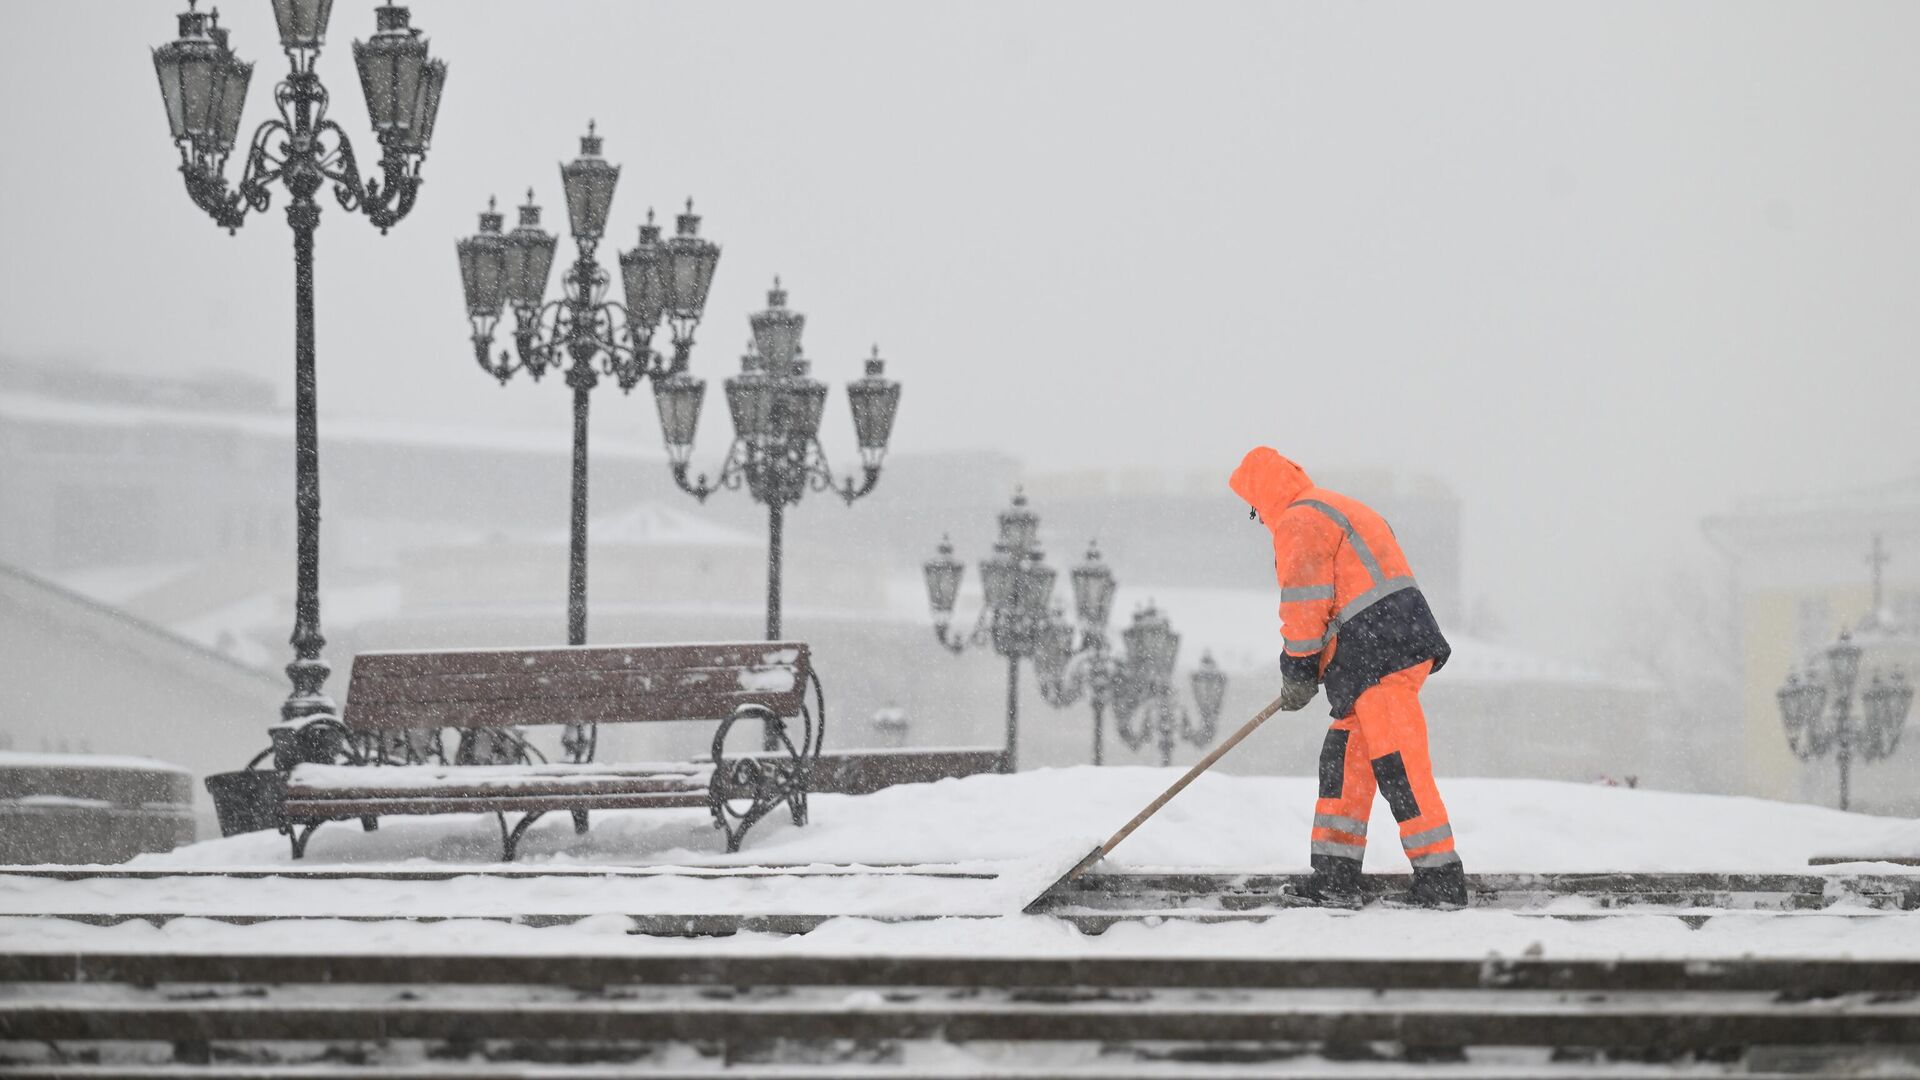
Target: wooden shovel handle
[[1180, 785]]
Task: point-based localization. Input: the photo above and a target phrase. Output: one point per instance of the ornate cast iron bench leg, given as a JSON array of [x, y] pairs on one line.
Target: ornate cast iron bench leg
[[510, 841], [765, 782], [299, 832], [579, 822]]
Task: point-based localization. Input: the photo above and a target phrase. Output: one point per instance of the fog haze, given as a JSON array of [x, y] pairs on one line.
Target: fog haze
[[1602, 270]]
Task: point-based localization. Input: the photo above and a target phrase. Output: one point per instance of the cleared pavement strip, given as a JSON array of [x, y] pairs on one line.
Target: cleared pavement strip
[[1797, 980], [1296, 1067], [1648, 1021]]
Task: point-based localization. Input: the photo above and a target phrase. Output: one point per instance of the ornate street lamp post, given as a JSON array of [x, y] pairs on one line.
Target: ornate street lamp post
[[204, 87], [776, 407], [1147, 681], [1019, 620], [1141, 676], [1017, 612], [1804, 711], [663, 280]]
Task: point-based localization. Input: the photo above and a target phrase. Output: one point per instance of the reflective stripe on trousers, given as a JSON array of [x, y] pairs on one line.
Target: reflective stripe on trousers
[[1338, 823], [1338, 850]]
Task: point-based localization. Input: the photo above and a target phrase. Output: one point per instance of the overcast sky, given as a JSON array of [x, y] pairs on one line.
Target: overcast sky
[[1602, 268]]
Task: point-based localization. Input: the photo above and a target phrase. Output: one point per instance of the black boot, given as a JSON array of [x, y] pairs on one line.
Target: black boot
[[1335, 883], [1443, 887]]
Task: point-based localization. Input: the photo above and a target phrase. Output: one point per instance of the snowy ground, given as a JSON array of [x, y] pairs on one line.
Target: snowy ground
[[1008, 836], [1237, 822]]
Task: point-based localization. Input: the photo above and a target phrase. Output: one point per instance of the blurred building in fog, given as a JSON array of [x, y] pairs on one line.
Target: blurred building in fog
[[80, 678], [1802, 570], [167, 498]]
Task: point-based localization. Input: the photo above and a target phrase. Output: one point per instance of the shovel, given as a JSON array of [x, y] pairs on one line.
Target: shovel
[[1153, 807]]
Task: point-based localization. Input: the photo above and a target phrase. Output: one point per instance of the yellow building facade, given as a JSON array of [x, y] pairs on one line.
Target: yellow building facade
[[1802, 571]]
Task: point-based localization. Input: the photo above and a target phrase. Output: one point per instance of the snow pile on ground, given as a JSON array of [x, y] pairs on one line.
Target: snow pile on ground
[[1045, 816]]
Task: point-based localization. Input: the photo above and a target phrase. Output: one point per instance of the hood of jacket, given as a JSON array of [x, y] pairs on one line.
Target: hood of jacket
[[1268, 482]]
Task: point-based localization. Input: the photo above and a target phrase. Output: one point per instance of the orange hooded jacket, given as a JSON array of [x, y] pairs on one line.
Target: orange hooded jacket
[[1350, 611]]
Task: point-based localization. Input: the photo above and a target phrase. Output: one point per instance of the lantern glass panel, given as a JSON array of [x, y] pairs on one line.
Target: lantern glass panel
[[407, 68], [1093, 587], [750, 398], [1209, 686], [643, 273], [589, 180], [377, 82], [1053, 647], [679, 398], [1019, 526], [1843, 660], [807, 401], [943, 581], [875, 400], [187, 71], [483, 267], [303, 23], [414, 135], [1036, 588], [777, 330], [167, 65], [997, 576], [691, 265], [232, 77], [529, 257], [529, 265], [483, 271], [1152, 646]]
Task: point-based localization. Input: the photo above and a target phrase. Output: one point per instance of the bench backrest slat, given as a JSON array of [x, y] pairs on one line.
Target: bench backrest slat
[[603, 684]]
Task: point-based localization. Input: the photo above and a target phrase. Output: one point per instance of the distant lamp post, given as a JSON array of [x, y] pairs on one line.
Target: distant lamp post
[[1071, 662], [204, 87], [1153, 650], [1804, 711], [777, 406], [664, 281], [1016, 617]]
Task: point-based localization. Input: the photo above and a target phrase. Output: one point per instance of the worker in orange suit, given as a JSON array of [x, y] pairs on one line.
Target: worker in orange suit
[[1355, 622]]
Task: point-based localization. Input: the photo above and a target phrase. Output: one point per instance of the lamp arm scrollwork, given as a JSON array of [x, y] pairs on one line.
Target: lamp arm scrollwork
[[385, 204], [733, 473], [207, 184]]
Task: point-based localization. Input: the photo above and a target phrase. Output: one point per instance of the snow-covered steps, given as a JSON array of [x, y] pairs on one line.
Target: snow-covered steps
[[404, 1061], [793, 899], [1163, 890], [1052, 1016], [1797, 979]]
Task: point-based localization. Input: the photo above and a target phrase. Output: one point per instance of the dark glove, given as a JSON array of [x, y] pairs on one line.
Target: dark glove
[[1295, 693]]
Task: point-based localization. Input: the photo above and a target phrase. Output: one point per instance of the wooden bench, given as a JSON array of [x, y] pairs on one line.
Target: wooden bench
[[400, 704]]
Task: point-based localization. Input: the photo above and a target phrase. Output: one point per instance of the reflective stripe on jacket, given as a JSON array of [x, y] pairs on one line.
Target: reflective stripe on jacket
[[1350, 610]]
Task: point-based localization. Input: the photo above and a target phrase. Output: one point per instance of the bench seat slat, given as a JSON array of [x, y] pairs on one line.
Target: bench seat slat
[[583, 658], [574, 685], [604, 710], [308, 809], [715, 683], [608, 785], [418, 775]]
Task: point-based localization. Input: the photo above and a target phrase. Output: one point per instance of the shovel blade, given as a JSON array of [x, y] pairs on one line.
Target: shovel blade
[[1033, 906]]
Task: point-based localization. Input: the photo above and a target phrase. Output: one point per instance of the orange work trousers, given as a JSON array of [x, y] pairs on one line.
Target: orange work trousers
[[1382, 746]]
